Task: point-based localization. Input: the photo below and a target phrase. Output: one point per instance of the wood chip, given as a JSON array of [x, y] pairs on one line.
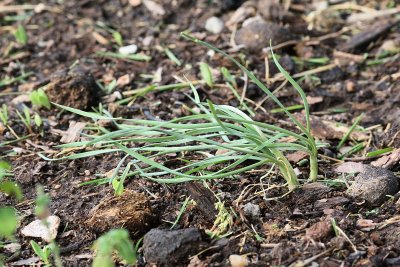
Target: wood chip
[[155, 8], [388, 161], [73, 133]]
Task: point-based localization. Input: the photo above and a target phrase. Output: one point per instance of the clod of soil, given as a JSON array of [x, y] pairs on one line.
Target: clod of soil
[[319, 231], [169, 248], [74, 88], [257, 34], [373, 185], [132, 211]]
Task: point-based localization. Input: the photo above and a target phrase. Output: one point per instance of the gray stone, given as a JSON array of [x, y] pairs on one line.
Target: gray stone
[[374, 185], [170, 247], [257, 34], [214, 25], [251, 210]]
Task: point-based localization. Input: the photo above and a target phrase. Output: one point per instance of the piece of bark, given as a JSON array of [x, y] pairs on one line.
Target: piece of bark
[[369, 35], [204, 198]]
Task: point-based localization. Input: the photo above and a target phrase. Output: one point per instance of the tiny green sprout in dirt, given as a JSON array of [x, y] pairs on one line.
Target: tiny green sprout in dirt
[[4, 114], [43, 253], [206, 74], [20, 35], [107, 88], [25, 118], [172, 56], [115, 241], [39, 98], [42, 211], [218, 135], [118, 38]]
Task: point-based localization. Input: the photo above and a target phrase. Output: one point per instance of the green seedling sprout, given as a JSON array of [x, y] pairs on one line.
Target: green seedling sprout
[[247, 144], [20, 35], [206, 74], [311, 145], [39, 98], [351, 129], [114, 241], [4, 114], [117, 38], [26, 118], [172, 56], [379, 152]]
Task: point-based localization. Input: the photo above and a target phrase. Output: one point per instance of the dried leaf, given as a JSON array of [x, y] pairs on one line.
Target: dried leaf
[[155, 8]]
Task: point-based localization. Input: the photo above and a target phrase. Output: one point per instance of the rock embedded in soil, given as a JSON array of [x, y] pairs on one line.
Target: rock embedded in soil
[[37, 228], [238, 260], [214, 25], [171, 247], [131, 210], [251, 210], [257, 34], [374, 185], [74, 88]]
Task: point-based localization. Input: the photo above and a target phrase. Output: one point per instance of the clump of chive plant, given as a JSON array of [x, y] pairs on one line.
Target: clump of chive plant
[[220, 135]]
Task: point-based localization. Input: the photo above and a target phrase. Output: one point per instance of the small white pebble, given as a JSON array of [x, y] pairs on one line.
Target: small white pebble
[[87, 172], [129, 49], [214, 25], [238, 260]]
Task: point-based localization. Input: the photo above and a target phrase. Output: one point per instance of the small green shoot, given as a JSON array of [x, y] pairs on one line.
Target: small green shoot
[[206, 74], [351, 129], [117, 38], [182, 210], [379, 152], [114, 241], [26, 118], [43, 253], [118, 184], [4, 114], [38, 120], [291, 108], [9, 222], [109, 88], [40, 99], [339, 232], [20, 35], [172, 56]]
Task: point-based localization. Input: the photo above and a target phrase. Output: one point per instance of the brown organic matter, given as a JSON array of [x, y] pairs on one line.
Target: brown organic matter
[[132, 211], [74, 88]]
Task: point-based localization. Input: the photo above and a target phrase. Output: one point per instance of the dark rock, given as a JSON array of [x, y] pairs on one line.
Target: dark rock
[[257, 34], [373, 185], [227, 5], [74, 88], [170, 247], [332, 75]]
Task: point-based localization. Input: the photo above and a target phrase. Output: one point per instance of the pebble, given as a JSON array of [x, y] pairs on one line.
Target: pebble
[[214, 25], [373, 185], [238, 260], [257, 34], [38, 229], [251, 210], [129, 49], [170, 247]]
